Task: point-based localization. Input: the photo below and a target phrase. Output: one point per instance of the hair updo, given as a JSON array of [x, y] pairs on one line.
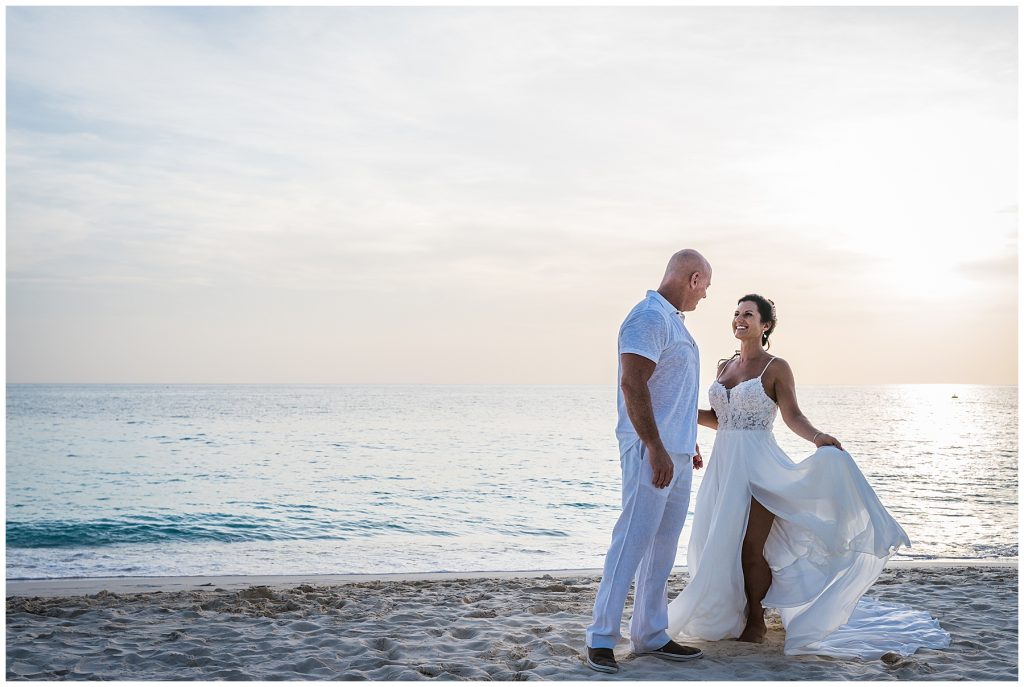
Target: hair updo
[[766, 308]]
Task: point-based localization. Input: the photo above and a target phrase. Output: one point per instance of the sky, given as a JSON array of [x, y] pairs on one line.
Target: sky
[[476, 195]]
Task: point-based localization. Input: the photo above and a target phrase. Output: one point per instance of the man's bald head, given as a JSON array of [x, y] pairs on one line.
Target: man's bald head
[[686, 279], [684, 263]]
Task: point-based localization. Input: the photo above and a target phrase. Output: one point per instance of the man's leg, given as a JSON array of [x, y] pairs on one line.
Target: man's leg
[[642, 508], [647, 627]]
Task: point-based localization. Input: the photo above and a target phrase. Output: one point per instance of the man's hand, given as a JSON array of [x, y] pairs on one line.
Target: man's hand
[[698, 459], [661, 465]]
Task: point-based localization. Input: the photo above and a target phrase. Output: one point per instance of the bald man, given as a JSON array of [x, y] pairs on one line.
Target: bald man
[[657, 432]]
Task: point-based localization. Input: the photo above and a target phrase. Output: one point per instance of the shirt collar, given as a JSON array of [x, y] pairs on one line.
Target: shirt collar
[[665, 305]]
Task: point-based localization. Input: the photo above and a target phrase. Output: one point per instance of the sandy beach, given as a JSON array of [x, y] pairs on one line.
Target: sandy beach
[[507, 626]]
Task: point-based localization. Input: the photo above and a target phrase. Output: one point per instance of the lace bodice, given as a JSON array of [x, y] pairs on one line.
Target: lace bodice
[[745, 406]]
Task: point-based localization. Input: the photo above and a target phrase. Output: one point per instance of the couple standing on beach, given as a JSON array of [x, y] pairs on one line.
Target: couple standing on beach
[[807, 538]]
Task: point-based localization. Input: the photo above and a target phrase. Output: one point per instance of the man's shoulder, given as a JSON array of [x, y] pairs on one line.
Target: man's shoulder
[[645, 318], [647, 309]]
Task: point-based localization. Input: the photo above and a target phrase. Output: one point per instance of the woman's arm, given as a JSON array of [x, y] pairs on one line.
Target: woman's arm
[[707, 418], [785, 396]]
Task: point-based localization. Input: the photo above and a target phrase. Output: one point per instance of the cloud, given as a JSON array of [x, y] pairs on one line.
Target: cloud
[[512, 151], [998, 270]]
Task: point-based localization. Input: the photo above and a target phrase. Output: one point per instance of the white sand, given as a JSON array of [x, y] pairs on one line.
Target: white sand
[[503, 626]]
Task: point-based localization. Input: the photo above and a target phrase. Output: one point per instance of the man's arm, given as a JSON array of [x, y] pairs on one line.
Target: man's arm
[[636, 373]]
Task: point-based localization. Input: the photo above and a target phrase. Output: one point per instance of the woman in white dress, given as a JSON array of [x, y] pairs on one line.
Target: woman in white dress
[[807, 538]]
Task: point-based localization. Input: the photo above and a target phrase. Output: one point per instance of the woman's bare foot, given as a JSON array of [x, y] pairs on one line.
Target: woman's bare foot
[[753, 633]]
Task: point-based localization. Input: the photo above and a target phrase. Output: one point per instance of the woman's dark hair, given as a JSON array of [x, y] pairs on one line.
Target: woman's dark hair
[[766, 309]]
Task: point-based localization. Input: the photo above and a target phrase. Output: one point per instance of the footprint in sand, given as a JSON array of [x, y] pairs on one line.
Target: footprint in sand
[[482, 613], [463, 632]]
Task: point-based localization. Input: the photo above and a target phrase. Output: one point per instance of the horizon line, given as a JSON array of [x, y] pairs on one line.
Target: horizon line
[[9, 383]]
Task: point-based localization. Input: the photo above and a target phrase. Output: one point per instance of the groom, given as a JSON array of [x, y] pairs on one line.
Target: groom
[[657, 432]]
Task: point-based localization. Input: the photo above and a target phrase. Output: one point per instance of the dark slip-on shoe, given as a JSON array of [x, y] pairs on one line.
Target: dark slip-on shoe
[[602, 660], [676, 652]]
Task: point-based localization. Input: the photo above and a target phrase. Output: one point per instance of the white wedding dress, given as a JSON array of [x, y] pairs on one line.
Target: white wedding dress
[[829, 542]]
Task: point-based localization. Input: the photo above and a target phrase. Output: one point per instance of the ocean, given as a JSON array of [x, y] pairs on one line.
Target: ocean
[[139, 480]]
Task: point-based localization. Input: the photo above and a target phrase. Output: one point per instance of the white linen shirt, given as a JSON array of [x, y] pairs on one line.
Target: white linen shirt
[[656, 330]]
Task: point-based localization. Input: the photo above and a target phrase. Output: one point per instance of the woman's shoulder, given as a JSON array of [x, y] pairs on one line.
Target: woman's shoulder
[[778, 366], [725, 361]]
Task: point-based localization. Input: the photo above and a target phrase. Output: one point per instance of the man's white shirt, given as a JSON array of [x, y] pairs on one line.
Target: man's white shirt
[[655, 330]]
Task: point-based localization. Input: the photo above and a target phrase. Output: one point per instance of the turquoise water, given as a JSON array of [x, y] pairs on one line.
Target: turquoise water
[[196, 479]]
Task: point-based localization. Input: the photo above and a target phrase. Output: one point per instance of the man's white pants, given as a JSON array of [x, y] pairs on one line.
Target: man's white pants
[[644, 543]]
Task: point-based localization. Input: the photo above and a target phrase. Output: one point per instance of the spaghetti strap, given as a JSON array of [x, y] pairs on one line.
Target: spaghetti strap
[[725, 365], [765, 368]]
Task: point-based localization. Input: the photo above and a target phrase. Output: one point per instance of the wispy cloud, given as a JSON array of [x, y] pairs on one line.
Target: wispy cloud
[[529, 150]]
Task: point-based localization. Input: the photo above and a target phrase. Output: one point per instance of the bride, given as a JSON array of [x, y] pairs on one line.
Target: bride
[[807, 538]]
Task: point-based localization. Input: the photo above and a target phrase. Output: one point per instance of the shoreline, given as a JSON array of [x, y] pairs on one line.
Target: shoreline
[[84, 586]]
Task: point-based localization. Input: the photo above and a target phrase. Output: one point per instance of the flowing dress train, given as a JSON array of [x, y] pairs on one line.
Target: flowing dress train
[[829, 542]]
